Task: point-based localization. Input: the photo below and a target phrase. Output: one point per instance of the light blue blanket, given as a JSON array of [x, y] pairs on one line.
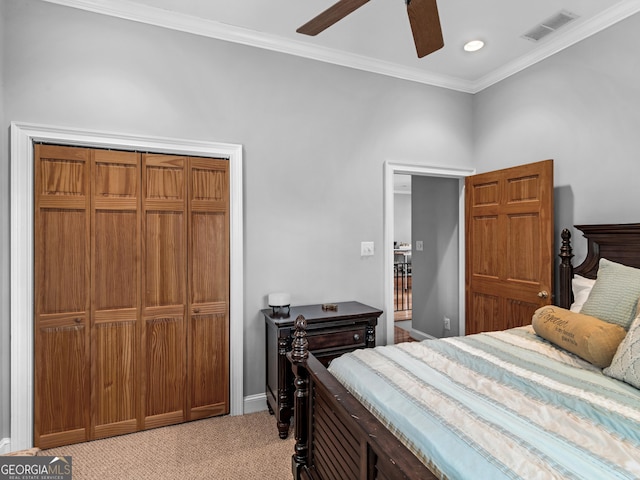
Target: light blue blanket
[[499, 405]]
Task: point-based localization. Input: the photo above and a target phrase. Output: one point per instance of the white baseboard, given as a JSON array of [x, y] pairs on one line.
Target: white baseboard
[[255, 403], [418, 335], [5, 445]]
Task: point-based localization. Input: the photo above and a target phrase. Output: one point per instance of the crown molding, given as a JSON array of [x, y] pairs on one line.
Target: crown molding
[[230, 33], [209, 28]]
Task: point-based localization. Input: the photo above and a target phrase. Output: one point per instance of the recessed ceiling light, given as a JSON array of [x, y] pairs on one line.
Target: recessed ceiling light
[[473, 45]]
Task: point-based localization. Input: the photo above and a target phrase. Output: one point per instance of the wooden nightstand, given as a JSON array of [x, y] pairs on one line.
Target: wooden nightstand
[[330, 334]]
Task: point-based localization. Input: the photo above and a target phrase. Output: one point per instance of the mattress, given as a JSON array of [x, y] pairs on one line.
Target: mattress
[[499, 405]]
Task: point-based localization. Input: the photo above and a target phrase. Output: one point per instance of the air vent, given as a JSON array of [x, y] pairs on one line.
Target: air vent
[[550, 25]]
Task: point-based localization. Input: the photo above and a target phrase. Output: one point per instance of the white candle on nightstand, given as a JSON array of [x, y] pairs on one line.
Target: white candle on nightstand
[[279, 299]]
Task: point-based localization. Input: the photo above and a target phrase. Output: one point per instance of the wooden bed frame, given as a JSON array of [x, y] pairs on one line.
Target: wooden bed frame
[[338, 438]]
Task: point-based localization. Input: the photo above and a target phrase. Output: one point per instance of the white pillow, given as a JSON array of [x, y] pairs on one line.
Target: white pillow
[[581, 289], [626, 362], [614, 297]]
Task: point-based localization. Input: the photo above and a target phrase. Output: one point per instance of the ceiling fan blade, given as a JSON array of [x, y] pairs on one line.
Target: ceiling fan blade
[[425, 25], [330, 16]]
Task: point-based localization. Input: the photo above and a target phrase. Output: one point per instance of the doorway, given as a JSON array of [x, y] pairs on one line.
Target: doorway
[[402, 258], [391, 169]]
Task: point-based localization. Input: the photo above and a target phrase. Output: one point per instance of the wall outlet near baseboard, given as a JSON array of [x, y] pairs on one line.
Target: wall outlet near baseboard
[[447, 323], [5, 445]]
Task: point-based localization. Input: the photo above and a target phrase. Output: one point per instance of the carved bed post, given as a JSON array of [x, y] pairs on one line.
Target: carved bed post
[[565, 270], [298, 358]]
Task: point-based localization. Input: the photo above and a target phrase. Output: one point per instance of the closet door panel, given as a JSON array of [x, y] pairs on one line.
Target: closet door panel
[[164, 289], [116, 175], [62, 253], [209, 393], [115, 261], [62, 302], [62, 328], [62, 400], [115, 292], [165, 259], [165, 348], [115, 348], [209, 293], [210, 265]]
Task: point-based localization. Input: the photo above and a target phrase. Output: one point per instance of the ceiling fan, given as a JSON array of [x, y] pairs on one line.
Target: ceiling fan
[[423, 18]]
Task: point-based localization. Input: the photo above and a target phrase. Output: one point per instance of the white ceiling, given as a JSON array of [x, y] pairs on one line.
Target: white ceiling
[[377, 37]]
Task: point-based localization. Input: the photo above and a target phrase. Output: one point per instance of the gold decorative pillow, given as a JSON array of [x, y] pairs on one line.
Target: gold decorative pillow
[[592, 339]]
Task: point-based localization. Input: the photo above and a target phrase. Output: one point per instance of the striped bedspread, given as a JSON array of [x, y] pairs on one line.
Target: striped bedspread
[[499, 405]]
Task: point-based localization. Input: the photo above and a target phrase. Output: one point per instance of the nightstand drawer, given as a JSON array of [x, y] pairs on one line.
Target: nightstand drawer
[[323, 339]]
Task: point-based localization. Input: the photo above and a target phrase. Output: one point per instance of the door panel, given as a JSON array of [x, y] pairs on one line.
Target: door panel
[[165, 371], [62, 401], [116, 381], [115, 270], [518, 313], [486, 193], [509, 245], [209, 365], [523, 189], [523, 234], [62, 260], [164, 258], [209, 281], [61, 323], [485, 309], [209, 263], [115, 261], [486, 230], [164, 285]]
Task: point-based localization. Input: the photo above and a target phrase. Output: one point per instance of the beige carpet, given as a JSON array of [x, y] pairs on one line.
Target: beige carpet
[[233, 448]]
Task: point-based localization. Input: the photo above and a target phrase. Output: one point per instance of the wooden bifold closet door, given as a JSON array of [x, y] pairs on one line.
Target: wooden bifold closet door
[[132, 292]]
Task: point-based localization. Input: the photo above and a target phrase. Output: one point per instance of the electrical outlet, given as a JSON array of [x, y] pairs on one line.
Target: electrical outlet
[[447, 323]]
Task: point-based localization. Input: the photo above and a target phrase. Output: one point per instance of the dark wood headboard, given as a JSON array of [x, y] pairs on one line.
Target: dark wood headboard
[[618, 242]]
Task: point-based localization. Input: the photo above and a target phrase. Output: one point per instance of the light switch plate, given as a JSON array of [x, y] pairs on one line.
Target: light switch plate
[[366, 249], [419, 245]]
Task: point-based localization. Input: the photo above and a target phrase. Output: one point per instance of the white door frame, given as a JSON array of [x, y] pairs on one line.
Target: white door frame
[[390, 169], [23, 135]]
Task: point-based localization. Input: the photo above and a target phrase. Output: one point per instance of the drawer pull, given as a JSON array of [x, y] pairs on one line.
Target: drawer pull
[[356, 337]]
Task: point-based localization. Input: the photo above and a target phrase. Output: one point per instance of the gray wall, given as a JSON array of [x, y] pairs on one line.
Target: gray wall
[[435, 274], [5, 354], [402, 217], [580, 107], [315, 138]]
